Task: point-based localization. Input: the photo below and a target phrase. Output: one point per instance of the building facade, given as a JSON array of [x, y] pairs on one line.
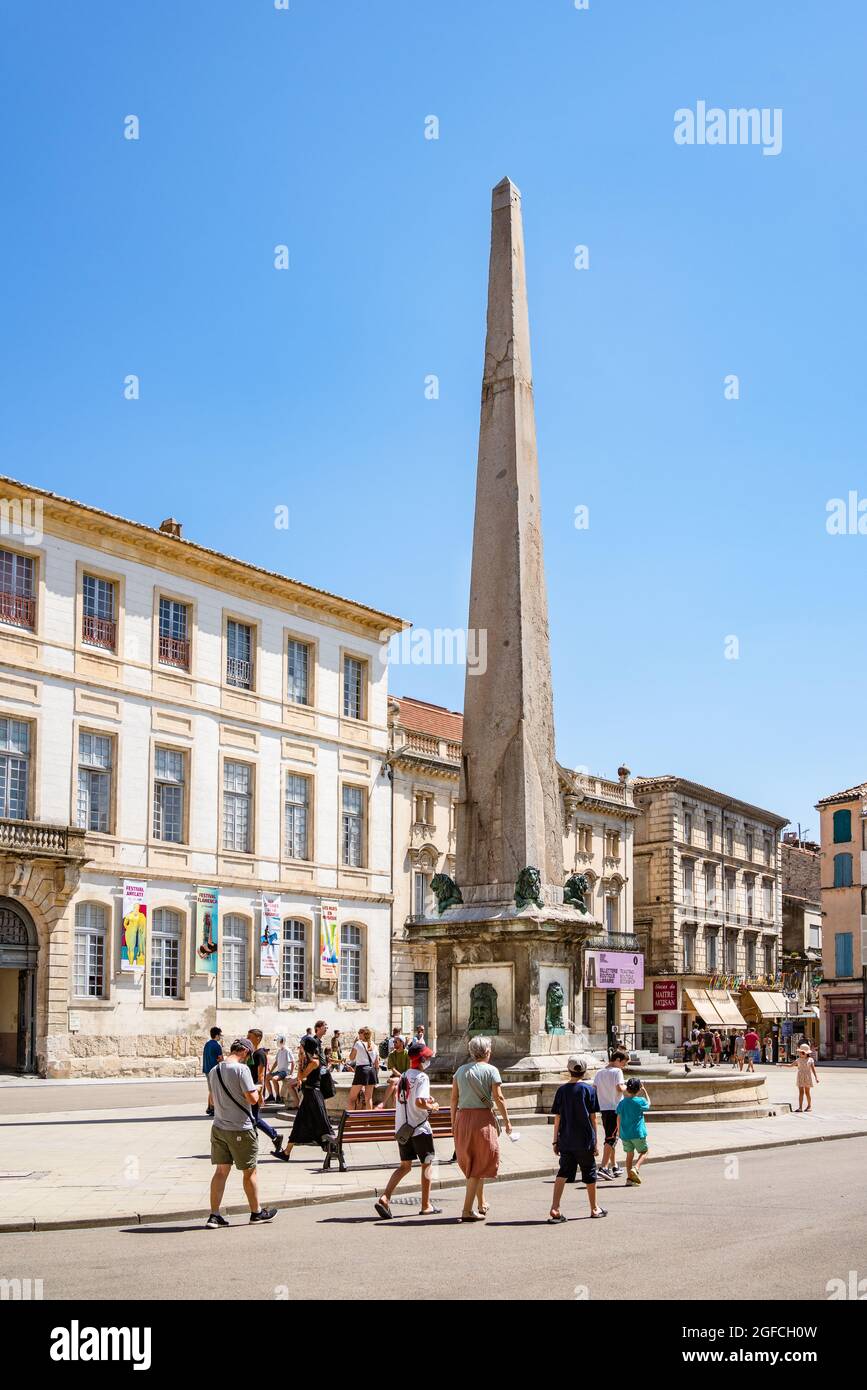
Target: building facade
[[800, 865], [598, 817], [843, 820], [708, 910], [212, 736]]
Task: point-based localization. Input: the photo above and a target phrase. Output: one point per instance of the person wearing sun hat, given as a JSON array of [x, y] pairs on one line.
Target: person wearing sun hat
[[807, 1077]]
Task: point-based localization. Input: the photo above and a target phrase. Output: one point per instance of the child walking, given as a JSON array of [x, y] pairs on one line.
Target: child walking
[[633, 1130], [807, 1077]]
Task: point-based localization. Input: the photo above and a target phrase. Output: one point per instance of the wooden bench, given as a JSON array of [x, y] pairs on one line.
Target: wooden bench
[[376, 1127]]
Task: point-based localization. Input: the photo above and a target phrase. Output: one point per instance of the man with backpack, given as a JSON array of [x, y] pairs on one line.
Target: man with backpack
[[233, 1134], [412, 1130]]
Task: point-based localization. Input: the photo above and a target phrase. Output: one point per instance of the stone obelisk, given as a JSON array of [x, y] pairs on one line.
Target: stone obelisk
[[509, 809], [508, 948]]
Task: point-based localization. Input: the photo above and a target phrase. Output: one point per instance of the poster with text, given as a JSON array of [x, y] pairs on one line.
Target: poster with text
[[329, 963], [207, 930], [133, 934], [269, 938]]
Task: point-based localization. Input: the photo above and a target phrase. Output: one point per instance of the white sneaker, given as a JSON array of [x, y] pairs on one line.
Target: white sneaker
[[617, 1171]]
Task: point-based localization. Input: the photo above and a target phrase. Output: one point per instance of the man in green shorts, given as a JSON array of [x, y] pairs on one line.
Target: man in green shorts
[[233, 1133]]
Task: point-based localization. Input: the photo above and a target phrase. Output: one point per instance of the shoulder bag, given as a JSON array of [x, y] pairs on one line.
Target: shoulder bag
[[407, 1130], [489, 1100], [249, 1114]]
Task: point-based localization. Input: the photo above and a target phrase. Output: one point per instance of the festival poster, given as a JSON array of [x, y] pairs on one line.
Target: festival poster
[[207, 929], [269, 938], [329, 961], [133, 935]]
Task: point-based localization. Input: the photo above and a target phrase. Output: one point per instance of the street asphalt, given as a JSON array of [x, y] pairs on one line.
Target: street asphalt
[[775, 1223]]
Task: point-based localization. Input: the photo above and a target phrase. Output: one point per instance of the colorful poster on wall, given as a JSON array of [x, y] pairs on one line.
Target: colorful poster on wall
[[329, 962], [269, 938], [133, 936], [207, 930], [613, 970]]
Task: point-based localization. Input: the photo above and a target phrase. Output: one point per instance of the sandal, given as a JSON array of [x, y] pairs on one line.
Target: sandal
[[472, 1217], [595, 1215], [431, 1211], [483, 1211], [556, 1220], [382, 1210]]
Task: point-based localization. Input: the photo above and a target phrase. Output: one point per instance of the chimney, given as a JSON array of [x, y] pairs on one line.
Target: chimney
[[170, 527]]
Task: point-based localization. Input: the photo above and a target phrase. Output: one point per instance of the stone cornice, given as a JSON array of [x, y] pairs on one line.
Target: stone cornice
[[682, 786]]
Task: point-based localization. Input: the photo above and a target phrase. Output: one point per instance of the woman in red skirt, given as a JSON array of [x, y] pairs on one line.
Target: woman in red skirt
[[476, 1090]]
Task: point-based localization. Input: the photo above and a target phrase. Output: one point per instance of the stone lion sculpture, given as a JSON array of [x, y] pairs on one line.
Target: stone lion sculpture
[[554, 1003], [446, 892], [528, 889]]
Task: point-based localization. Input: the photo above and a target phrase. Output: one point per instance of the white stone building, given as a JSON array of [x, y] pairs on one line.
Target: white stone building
[[179, 720]]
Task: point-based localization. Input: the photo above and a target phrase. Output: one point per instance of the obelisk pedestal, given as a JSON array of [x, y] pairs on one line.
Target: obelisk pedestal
[[509, 956]]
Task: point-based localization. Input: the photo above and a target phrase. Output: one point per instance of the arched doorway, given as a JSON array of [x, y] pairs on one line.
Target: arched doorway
[[18, 952]]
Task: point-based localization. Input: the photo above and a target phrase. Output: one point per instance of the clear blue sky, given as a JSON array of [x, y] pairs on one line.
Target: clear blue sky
[[306, 387]]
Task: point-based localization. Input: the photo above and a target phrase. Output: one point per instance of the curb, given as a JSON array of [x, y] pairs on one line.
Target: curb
[[33, 1224]]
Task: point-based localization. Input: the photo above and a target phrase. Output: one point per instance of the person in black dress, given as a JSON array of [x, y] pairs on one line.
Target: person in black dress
[[312, 1125]]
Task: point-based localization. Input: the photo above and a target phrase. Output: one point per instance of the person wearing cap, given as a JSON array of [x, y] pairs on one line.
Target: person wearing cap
[[233, 1134], [411, 1123], [807, 1077], [576, 1141], [633, 1130]]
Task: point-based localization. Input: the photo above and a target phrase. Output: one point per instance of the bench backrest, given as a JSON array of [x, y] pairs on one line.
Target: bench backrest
[[378, 1125]]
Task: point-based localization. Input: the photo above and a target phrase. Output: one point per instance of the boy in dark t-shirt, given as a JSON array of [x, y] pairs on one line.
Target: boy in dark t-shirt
[[575, 1108]]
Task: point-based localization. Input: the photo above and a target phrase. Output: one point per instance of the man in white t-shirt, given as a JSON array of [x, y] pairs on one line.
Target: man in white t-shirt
[[610, 1090], [412, 1126]]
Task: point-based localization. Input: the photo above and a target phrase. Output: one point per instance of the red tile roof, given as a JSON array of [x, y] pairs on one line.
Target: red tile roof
[[851, 794], [422, 718]]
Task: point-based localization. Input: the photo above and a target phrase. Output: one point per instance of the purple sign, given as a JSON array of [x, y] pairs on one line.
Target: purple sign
[[613, 970]]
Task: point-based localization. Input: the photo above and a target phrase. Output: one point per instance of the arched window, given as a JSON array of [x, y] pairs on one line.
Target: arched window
[[351, 964], [89, 951], [234, 951], [166, 938], [842, 871], [293, 973]]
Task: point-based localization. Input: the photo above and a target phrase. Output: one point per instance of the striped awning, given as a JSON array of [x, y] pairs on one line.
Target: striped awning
[[699, 1002]]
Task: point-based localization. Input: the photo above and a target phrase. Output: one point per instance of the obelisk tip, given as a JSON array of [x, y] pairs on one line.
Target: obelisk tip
[[504, 192]]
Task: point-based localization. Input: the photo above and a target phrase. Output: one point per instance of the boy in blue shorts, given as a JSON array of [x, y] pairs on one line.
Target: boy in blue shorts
[[633, 1130], [576, 1143]]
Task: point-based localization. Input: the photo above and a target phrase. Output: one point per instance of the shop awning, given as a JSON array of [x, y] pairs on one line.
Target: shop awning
[[699, 1002], [769, 1005], [726, 1007]]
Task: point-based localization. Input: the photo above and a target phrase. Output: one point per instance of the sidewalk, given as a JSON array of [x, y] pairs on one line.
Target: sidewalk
[[110, 1167]]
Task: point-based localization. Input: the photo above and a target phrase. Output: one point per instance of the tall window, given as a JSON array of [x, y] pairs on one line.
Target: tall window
[[174, 643], [751, 955], [99, 615], [750, 890], [688, 882], [768, 900], [730, 840], [708, 833], [689, 952], [293, 974], [842, 827], [298, 673], [843, 959], [731, 950], [88, 965], [730, 889], [611, 914], [237, 807], [350, 964], [769, 957], [710, 887], [169, 778], [239, 655], [768, 849], [353, 827], [296, 843], [420, 882], [612, 844], [166, 954], [94, 782], [233, 949], [353, 688], [585, 839], [14, 768], [842, 871], [687, 827], [711, 949], [17, 590], [749, 844]]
